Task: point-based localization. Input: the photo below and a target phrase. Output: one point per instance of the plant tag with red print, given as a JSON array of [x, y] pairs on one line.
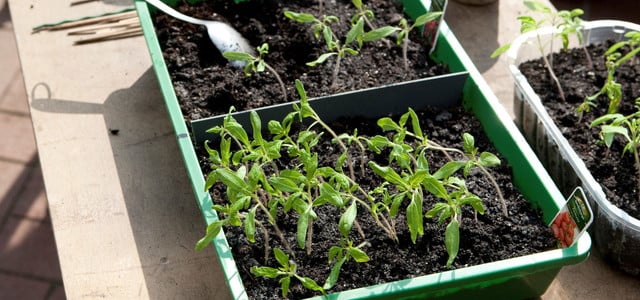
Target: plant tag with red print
[[431, 28], [572, 220]]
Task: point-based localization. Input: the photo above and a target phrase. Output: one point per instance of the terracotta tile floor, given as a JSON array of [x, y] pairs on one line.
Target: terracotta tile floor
[[29, 267]]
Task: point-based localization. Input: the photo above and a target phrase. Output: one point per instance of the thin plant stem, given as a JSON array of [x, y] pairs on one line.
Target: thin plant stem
[[282, 86], [505, 211], [550, 69]]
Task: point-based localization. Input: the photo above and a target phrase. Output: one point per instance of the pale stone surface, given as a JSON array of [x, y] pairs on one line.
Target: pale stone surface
[[122, 209]]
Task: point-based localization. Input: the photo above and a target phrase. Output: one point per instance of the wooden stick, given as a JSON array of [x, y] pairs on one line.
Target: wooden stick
[[95, 28], [111, 36], [73, 3], [103, 19]]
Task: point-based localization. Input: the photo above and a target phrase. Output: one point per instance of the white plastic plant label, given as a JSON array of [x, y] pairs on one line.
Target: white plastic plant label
[[432, 28], [572, 220]]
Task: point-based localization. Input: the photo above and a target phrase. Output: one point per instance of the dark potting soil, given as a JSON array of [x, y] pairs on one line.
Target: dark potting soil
[[615, 172], [206, 85], [491, 238]]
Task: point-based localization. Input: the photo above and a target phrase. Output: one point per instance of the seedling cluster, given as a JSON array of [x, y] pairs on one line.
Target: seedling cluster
[[260, 189], [568, 22], [337, 47]]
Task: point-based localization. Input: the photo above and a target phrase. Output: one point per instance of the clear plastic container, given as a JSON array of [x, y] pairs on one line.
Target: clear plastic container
[[616, 233]]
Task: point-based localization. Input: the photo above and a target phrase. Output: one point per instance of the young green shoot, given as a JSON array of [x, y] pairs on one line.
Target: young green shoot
[[611, 88], [451, 209], [405, 28], [354, 39], [567, 21], [256, 64], [628, 127], [285, 272], [572, 25]]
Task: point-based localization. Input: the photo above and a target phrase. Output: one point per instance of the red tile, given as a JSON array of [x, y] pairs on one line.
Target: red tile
[[14, 98], [28, 247], [17, 138], [15, 287], [8, 58], [12, 178], [32, 201]]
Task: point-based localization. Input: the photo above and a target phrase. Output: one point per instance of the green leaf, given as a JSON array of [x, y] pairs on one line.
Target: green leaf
[[284, 285], [355, 31], [225, 151], [303, 225], [606, 118], [321, 59], [238, 157], [334, 252], [437, 208], [301, 92], [377, 143], [232, 181], [418, 177], [275, 127], [395, 204], [350, 51], [212, 231], [475, 202], [387, 173], [414, 219], [358, 255], [331, 195], [435, 187], [452, 240], [311, 284], [379, 33], [250, 225], [265, 272], [212, 178], [609, 132], [537, 6], [273, 149], [448, 169], [347, 218], [488, 159], [423, 163], [387, 124], [500, 50], [241, 56], [281, 257], [300, 17], [256, 125], [283, 184], [415, 123], [236, 130], [430, 16], [335, 274], [468, 143]]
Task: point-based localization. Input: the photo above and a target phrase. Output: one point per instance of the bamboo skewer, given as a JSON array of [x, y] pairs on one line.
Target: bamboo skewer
[[91, 21], [110, 36], [94, 29], [106, 27]]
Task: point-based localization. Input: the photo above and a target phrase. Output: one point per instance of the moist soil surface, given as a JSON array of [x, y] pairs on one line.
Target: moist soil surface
[[206, 85], [615, 172], [491, 238]]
